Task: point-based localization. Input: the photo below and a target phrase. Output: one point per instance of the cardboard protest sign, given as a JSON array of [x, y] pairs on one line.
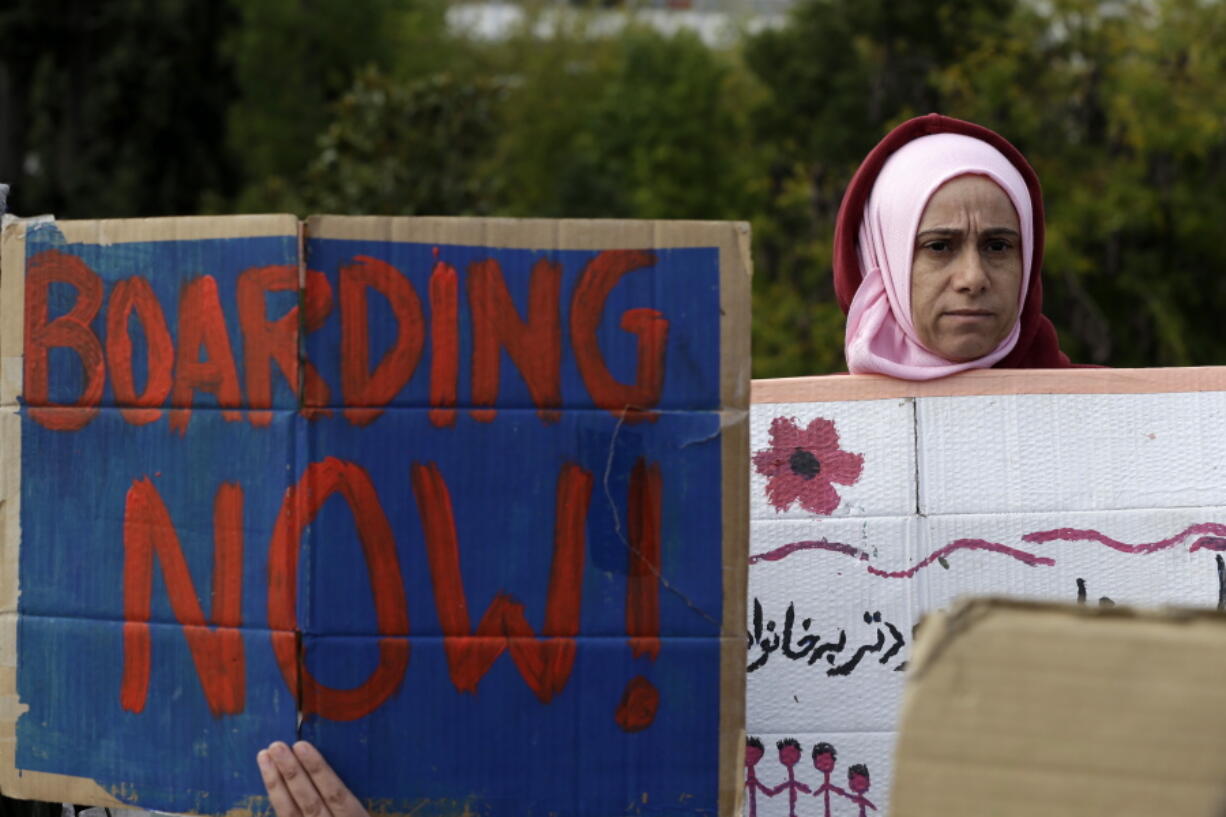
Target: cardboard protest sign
[[874, 501], [1021, 708], [463, 502]]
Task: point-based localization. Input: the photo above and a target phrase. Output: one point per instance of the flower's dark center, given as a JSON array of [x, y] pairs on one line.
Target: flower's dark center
[[804, 464]]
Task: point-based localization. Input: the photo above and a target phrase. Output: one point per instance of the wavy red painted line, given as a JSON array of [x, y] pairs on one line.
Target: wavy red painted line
[[1026, 558], [1212, 537], [817, 544], [784, 551]]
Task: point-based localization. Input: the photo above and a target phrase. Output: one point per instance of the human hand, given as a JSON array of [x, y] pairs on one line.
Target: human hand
[[300, 783]]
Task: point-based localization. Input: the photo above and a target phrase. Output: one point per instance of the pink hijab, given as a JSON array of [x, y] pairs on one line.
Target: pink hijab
[[881, 336]]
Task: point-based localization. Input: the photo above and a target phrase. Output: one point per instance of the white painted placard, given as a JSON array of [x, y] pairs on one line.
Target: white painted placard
[[874, 501]]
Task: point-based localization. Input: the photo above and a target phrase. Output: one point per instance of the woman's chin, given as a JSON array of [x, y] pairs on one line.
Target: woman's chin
[[963, 350]]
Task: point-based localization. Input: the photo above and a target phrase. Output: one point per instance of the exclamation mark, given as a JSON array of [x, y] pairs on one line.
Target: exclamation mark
[[444, 342], [641, 699]]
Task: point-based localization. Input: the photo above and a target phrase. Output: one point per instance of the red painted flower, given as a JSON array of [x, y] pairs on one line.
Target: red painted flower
[[801, 465]]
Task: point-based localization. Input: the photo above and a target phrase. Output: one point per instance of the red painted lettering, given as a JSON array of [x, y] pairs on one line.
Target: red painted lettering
[[265, 341], [135, 295], [365, 393], [444, 344], [629, 401], [316, 306], [544, 663], [69, 331], [534, 345], [217, 653], [643, 572], [638, 706], [201, 324], [303, 502]]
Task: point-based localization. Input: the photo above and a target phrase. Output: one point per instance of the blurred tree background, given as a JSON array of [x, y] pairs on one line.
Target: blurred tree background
[[158, 107]]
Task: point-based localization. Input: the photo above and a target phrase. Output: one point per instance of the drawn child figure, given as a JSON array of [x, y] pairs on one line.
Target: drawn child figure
[[857, 781], [753, 753], [789, 756], [823, 760]]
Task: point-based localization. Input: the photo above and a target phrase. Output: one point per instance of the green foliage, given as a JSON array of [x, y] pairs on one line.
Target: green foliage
[[291, 58], [95, 118], [406, 149], [641, 125]]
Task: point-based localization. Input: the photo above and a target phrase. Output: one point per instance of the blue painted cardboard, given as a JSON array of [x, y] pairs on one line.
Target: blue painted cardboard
[[201, 572]]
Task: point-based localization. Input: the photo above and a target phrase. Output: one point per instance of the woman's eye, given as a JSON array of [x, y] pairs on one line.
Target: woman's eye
[[998, 245], [937, 246]]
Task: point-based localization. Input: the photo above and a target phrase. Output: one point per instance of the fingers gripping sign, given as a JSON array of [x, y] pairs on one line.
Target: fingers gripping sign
[[300, 783]]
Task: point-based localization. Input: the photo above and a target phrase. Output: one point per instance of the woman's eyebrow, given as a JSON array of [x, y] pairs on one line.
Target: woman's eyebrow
[[939, 232], [956, 233]]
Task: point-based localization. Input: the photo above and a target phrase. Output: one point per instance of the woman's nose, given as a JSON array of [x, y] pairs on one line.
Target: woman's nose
[[969, 274]]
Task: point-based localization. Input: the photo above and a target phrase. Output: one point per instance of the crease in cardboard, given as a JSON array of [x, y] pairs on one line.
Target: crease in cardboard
[[299, 707], [917, 453], [621, 535], [727, 419]]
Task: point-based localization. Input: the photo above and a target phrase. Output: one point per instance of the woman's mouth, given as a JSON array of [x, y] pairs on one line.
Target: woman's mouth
[[969, 313]]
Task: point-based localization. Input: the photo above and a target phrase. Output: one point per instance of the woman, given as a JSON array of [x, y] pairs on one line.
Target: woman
[[937, 255]]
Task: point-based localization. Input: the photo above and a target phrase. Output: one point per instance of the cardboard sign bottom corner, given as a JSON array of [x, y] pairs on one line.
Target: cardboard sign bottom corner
[[1023, 708]]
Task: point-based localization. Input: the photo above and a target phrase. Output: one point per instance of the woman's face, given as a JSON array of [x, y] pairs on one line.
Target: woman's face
[[966, 273]]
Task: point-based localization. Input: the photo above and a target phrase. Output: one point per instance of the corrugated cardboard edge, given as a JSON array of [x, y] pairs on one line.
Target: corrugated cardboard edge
[[42, 785], [12, 301], [942, 635], [13, 782], [177, 228], [733, 241], [735, 455], [853, 387], [735, 297]]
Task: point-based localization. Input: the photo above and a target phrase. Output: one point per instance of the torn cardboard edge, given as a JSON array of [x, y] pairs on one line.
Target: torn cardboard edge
[[731, 239], [1022, 708]]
